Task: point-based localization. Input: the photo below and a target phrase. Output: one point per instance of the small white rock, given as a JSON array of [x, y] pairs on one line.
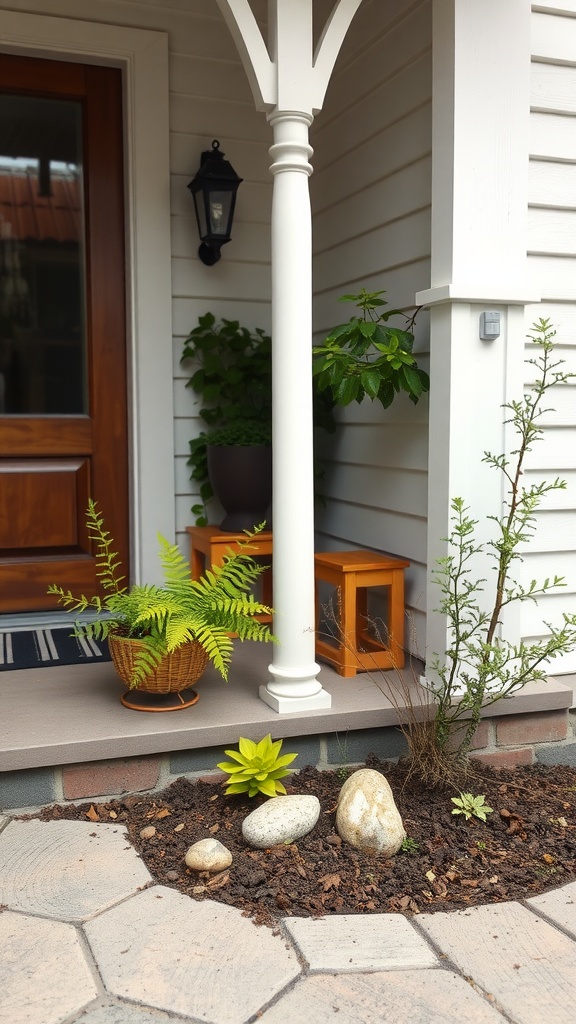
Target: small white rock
[[148, 832], [208, 855], [366, 816], [283, 819]]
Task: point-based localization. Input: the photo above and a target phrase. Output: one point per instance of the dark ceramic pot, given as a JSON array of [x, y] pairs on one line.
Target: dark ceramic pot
[[241, 478]]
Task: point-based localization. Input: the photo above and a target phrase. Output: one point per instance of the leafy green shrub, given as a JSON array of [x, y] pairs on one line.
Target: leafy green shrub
[[480, 665], [234, 380], [366, 357], [256, 767]]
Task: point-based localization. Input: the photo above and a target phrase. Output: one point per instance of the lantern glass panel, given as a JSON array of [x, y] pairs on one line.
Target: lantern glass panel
[[220, 203], [200, 213]]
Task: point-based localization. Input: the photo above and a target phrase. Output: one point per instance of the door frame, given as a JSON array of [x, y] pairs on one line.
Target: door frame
[[142, 56]]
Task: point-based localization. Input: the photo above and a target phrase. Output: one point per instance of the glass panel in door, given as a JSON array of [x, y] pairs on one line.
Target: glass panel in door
[[43, 343]]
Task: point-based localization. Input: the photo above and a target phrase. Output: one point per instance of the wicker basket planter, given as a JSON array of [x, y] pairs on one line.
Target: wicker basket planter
[[175, 674]]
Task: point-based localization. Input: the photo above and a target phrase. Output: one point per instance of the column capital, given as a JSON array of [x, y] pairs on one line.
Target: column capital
[[291, 150]]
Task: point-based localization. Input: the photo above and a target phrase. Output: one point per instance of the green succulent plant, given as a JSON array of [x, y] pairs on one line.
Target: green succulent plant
[[256, 767], [471, 806]]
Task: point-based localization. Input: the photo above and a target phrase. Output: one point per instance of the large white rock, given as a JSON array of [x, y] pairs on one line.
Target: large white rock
[[366, 816], [282, 819], [208, 855]]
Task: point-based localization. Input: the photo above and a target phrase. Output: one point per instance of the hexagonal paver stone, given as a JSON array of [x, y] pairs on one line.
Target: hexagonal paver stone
[[122, 1013], [528, 966], [44, 976], [356, 942], [67, 869], [559, 905], [400, 997], [202, 960]]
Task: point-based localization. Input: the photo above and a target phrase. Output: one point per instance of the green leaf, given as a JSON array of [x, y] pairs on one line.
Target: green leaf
[[347, 390], [247, 749], [370, 380], [268, 787]]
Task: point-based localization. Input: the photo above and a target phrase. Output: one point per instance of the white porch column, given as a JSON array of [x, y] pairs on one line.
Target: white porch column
[[294, 686], [481, 102], [289, 82]]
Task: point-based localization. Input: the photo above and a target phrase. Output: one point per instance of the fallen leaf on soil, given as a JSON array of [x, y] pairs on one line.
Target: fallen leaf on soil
[[430, 876], [112, 814], [179, 827], [213, 829], [547, 858], [163, 813], [218, 881], [330, 882], [92, 813]]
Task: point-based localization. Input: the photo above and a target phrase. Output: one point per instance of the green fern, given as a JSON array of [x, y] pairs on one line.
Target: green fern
[[164, 618]]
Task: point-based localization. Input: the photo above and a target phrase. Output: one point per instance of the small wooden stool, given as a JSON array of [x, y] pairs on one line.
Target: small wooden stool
[[209, 546], [351, 572]]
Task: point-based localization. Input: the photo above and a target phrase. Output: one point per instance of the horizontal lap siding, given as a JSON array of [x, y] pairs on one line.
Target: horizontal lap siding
[[371, 193], [552, 260]]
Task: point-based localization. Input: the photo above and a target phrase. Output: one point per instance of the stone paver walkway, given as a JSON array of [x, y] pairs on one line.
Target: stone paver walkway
[[87, 937]]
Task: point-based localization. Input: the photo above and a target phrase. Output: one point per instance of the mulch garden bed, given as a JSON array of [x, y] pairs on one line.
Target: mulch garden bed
[[526, 846]]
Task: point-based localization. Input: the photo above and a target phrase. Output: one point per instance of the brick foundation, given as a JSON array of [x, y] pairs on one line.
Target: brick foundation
[[548, 737]]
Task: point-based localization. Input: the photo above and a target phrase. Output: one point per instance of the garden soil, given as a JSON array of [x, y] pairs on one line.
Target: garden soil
[[525, 847]]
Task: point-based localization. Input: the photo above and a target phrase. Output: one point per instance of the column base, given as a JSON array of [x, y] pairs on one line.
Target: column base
[[284, 705]]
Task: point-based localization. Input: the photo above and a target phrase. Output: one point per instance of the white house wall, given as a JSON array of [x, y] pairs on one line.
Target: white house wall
[[371, 191], [552, 257]]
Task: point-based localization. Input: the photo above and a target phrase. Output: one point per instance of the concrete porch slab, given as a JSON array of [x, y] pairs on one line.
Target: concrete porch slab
[[73, 714]]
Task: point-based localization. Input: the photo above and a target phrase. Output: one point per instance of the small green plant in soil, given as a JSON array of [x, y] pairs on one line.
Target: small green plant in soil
[[409, 845], [257, 767], [471, 806], [481, 666]]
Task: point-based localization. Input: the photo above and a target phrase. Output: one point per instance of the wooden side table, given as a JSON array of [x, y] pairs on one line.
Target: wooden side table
[[209, 546], [352, 572]]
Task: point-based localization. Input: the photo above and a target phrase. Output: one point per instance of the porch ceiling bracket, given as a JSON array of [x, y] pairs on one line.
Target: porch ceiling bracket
[[252, 48], [286, 75], [329, 46]]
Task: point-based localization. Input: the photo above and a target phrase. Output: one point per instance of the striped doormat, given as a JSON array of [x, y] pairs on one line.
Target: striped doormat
[[45, 648]]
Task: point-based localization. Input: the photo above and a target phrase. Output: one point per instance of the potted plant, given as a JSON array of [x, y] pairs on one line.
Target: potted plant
[[161, 638], [234, 459]]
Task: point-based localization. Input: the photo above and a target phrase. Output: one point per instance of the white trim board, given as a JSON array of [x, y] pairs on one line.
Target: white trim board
[[143, 57]]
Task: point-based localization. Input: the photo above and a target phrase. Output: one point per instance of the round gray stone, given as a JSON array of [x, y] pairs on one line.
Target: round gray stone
[[208, 855], [283, 819], [366, 816]]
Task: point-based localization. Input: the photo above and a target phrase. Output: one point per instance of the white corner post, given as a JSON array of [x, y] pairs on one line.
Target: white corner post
[[289, 82], [480, 148]]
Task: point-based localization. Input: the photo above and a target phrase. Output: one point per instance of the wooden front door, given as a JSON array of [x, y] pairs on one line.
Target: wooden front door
[[63, 403]]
